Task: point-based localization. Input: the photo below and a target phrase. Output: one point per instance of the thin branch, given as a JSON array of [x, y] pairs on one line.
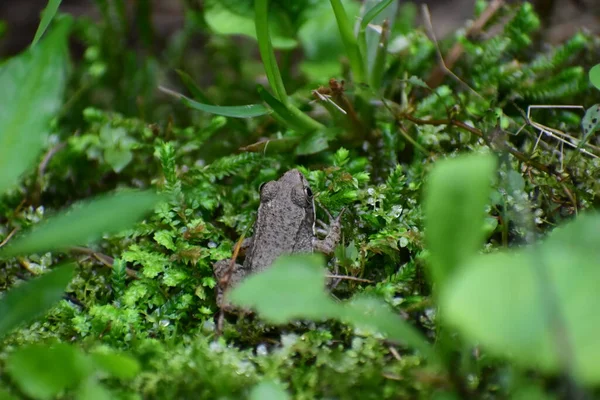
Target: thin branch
[[7, 238], [437, 75], [429, 26], [516, 153], [348, 278], [105, 260]]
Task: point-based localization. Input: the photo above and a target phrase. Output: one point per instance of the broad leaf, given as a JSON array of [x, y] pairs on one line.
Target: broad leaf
[[537, 305], [366, 311], [120, 366], [32, 89], [84, 222], [43, 372], [595, 76], [31, 299], [268, 391], [292, 288], [226, 21], [456, 194]]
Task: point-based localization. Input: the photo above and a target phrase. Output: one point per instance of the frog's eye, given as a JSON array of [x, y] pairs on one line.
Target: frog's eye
[[309, 193]]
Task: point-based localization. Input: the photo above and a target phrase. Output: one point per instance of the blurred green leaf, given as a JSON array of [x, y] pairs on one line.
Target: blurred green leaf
[[91, 389], [595, 76], [268, 391], [535, 305], [84, 222], [6, 395], [43, 372], [117, 158], [366, 311], [292, 288], [225, 21], [455, 196], [120, 366], [47, 16], [31, 299], [32, 89], [313, 143]]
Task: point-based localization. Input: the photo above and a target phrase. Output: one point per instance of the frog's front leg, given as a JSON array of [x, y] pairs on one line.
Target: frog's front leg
[[327, 245], [227, 276]]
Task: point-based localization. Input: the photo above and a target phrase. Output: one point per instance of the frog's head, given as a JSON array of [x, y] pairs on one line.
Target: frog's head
[[290, 195]]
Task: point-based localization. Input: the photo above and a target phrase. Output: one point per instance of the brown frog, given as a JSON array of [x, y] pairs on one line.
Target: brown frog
[[285, 224]]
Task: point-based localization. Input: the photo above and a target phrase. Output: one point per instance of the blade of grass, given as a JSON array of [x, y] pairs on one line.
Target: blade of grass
[[288, 114], [261, 15], [47, 16], [194, 89], [350, 44], [245, 111]]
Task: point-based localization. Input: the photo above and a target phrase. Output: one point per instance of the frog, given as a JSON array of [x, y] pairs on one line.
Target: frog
[[285, 224]]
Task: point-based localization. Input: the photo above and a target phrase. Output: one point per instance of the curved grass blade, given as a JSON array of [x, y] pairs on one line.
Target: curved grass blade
[[47, 17], [374, 12], [194, 89], [84, 222], [31, 299], [246, 111], [288, 114]]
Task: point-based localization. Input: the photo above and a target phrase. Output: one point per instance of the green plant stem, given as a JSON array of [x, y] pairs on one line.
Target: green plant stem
[[378, 67], [267, 54], [350, 43]]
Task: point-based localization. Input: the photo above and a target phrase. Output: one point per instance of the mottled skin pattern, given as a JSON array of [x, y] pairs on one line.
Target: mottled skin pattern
[[284, 225]]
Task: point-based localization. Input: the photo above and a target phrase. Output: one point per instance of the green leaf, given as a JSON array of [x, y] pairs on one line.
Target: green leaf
[[47, 16], [91, 389], [590, 123], [117, 158], [194, 89], [120, 366], [43, 372], [31, 299], [265, 47], [292, 288], [535, 305], [268, 391], [313, 143], [32, 89], [374, 12], [416, 81], [455, 196], [247, 111], [289, 115], [366, 311], [225, 21], [595, 76], [350, 43], [84, 222], [6, 395]]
